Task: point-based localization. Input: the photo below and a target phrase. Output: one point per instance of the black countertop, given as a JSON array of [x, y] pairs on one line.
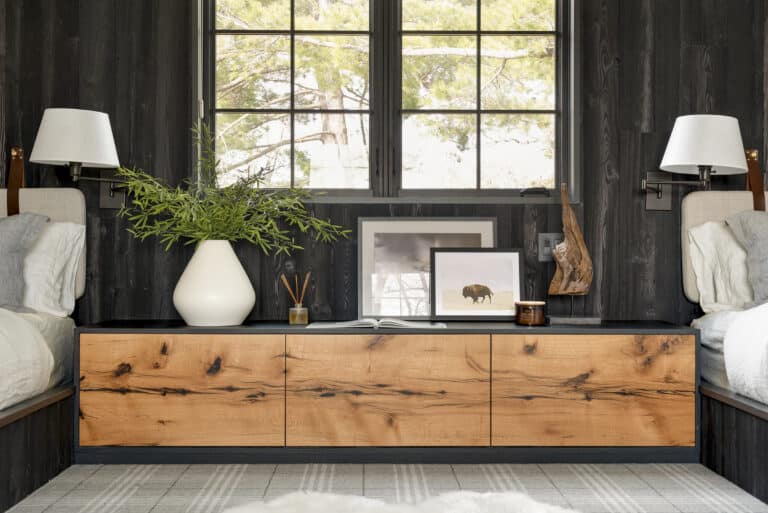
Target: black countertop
[[466, 327]]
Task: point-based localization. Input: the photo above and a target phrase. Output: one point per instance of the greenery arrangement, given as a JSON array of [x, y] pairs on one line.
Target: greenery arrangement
[[201, 210]]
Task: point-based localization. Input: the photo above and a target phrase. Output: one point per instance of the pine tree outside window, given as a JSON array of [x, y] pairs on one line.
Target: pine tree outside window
[[385, 99]]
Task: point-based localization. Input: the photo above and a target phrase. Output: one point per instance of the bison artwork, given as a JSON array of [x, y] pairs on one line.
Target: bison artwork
[[476, 292]]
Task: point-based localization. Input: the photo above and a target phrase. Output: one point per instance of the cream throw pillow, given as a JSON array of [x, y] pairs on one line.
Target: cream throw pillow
[[720, 265]]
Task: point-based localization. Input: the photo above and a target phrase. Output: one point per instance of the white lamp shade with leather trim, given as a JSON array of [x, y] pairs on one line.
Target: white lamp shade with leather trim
[[705, 140], [67, 136]]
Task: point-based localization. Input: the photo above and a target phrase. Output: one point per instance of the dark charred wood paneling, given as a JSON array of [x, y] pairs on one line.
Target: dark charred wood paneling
[[643, 63], [34, 449], [733, 444]]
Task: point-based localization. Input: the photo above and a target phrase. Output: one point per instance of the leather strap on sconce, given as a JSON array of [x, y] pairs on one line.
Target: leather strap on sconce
[[15, 180], [755, 180]]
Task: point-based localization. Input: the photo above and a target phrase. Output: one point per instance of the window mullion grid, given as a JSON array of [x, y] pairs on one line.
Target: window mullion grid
[[478, 86], [291, 95], [561, 144]]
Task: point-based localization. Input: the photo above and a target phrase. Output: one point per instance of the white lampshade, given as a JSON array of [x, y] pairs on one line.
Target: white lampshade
[[705, 140], [73, 135]]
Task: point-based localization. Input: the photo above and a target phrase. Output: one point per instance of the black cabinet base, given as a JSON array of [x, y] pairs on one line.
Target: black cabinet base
[[456, 455]]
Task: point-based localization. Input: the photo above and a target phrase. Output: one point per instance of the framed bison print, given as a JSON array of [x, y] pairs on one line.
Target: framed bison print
[[475, 284], [394, 260]]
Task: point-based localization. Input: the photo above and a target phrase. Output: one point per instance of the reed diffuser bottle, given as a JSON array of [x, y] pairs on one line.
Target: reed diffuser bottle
[[298, 314]]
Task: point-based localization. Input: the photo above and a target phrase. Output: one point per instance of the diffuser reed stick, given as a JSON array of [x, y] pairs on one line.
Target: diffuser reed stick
[[297, 293], [288, 288], [304, 288], [299, 313]]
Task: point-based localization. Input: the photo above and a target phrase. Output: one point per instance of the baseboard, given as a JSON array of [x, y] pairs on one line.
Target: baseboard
[[135, 455]]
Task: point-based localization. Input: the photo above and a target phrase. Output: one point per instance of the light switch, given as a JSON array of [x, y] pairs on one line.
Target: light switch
[[547, 243]]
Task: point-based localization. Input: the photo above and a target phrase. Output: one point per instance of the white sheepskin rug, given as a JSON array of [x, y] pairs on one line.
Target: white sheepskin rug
[[453, 502]]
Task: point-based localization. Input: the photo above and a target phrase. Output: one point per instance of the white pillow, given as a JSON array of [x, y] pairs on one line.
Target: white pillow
[[50, 268], [720, 265]]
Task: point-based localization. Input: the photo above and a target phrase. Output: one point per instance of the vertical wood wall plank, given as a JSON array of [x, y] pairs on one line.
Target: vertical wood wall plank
[[3, 93]]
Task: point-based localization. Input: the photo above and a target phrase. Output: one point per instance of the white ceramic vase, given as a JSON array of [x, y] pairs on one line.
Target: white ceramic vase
[[214, 289]]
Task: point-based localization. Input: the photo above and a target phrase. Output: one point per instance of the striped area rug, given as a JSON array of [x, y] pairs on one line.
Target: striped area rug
[[218, 489], [452, 502], [598, 488]]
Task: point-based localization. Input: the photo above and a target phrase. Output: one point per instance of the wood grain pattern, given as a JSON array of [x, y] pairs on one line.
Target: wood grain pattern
[[182, 390], [574, 266], [593, 390], [387, 390]]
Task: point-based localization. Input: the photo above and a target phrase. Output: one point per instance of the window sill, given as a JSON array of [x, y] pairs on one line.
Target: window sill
[[430, 197]]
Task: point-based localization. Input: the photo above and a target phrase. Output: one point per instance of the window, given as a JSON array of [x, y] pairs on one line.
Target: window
[[292, 87], [391, 97]]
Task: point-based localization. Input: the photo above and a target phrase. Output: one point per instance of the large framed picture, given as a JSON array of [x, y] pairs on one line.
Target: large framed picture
[[394, 260], [475, 284]]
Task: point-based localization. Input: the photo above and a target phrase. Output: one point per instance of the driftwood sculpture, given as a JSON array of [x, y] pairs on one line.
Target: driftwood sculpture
[[574, 266]]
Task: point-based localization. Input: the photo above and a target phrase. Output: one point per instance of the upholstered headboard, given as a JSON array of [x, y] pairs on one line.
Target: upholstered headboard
[[698, 208], [65, 205]]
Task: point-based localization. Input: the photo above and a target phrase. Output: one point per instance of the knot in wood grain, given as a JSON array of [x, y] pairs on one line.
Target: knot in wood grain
[[215, 367], [123, 368]]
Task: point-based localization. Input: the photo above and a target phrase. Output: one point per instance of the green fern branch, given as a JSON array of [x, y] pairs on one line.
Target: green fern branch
[[201, 210]]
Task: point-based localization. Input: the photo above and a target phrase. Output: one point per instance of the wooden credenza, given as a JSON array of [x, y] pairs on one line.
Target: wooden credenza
[[476, 385]]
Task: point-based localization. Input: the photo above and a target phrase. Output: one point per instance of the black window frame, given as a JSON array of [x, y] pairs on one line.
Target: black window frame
[[385, 107]]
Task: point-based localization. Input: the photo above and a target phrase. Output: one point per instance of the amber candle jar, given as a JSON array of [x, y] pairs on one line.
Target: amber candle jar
[[530, 313]]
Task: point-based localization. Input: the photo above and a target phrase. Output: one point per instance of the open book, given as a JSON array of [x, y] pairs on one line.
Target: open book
[[380, 323]]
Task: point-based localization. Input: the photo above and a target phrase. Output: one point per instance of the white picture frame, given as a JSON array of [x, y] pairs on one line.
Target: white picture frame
[[478, 284], [394, 259]]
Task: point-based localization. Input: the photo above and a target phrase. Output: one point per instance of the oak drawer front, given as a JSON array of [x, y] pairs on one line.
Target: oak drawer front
[[182, 390], [594, 390], [387, 390]]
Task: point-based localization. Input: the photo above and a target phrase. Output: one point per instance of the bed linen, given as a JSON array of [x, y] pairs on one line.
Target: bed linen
[[59, 335], [746, 353], [734, 351], [713, 327], [26, 361], [713, 367]]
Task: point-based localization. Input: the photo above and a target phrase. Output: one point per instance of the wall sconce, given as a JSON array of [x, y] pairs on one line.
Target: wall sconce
[[78, 138], [701, 145]]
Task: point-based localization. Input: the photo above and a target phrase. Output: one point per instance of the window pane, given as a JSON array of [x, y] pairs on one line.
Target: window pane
[[518, 15], [253, 143], [439, 151], [518, 72], [439, 14], [253, 72], [332, 151], [332, 14], [439, 72], [517, 151], [253, 14], [332, 72]]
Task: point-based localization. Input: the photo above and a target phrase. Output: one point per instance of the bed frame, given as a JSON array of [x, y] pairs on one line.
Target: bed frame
[[36, 436], [734, 429], [734, 438], [35, 443]]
